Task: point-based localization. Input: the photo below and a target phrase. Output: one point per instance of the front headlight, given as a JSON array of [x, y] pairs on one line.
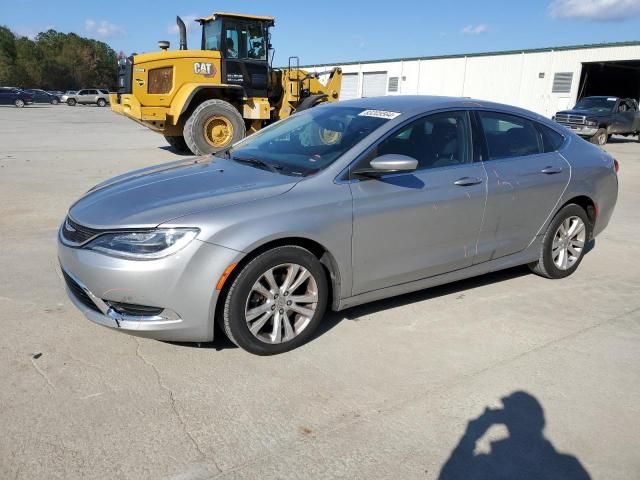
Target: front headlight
[[144, 245], [591, 123]]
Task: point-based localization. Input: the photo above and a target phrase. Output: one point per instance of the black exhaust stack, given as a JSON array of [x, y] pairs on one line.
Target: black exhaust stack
[[183, 33]]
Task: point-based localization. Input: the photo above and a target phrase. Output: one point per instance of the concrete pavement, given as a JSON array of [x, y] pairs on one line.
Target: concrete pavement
[[385, 390]]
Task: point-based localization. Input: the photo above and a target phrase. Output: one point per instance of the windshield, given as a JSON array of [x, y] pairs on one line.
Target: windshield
[[309, 141], [596, 104]]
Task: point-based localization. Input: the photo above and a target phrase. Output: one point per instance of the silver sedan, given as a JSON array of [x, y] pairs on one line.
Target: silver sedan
[[336, 206]]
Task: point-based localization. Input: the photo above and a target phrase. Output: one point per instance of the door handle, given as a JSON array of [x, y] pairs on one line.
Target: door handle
[[551, 170], [467, 181]]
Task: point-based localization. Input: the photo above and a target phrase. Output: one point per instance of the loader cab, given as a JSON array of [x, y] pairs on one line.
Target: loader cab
[[243, 42]]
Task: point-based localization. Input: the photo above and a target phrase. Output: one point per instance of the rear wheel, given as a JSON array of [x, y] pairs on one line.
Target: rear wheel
[[600, 137], [71, 102], [276, 301], [213, 126], [102, 102], [564, 243], [19, 103], [177, 143]]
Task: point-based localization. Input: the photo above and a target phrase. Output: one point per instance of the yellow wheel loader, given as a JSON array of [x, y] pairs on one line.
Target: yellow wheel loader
[[206, 100]]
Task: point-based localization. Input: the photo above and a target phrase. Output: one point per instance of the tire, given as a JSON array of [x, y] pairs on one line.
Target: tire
[[216, 116], [55, 101], [241, 295], [102, 102], [600, 137], [71, 102], [177, 143], [19, 103], [546, 266]]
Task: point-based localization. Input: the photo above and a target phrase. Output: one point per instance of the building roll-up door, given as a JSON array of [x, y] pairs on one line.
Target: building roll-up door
[[349, 88], [374, 84]]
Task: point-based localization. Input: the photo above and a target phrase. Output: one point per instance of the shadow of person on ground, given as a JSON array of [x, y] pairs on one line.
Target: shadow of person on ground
[[524, 455]]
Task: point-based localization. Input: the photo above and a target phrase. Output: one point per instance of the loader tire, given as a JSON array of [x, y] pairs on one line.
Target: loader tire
[[213, 126], [177, 144]]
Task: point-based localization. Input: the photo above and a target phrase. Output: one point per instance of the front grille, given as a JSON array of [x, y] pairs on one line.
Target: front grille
[[76, 233], [569, 119], [160, 80], [79, 292]]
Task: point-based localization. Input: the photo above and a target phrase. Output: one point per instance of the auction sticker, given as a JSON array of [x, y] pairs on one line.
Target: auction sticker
[[379, 114]]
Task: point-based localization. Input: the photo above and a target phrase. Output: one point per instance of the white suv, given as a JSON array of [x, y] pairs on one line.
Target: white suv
[[88, 96]]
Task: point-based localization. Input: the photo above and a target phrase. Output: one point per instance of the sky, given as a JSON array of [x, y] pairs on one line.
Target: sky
[[335, 31]]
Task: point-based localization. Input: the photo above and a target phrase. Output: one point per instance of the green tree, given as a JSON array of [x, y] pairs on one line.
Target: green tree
[[56, 61]]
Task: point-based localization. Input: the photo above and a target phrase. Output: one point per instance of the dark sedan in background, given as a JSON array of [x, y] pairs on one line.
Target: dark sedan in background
[[40, 96], [14, 96]]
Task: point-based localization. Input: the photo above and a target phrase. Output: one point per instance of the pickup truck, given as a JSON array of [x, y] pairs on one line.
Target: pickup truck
[[597, 118]]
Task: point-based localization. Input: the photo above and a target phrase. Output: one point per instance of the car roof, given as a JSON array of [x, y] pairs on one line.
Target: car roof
[[424, 103]]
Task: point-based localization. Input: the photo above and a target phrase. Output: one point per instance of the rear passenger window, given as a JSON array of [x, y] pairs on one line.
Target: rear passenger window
[[509, 135], [551, 140]]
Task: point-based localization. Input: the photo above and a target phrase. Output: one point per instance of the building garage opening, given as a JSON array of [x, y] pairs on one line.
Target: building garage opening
[[611, 79]]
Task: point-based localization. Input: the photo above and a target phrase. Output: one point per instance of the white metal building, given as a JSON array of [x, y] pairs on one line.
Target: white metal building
[[543, 80]]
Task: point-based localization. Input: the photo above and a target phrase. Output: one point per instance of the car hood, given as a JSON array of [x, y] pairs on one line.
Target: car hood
[[587, 113], [154, 195]]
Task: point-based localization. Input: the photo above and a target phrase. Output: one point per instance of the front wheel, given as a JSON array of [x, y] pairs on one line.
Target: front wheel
[[55, 101], [276, 301], [564, 243], [213, 126], [19, 103], [600, 137], [71, 102], [102, 102]]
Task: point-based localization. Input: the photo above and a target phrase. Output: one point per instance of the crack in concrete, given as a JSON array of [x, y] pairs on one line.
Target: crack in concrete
[[174, 408], [42, 374]]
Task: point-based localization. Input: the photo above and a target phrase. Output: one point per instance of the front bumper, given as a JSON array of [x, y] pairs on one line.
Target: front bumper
[[182, 285], [582, 130]]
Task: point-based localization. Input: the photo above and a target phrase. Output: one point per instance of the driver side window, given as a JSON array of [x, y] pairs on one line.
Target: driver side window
[[439, 140], [245, 41]]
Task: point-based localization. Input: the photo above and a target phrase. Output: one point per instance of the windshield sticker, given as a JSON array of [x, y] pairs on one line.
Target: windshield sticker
[[611, 99], [379, 114]]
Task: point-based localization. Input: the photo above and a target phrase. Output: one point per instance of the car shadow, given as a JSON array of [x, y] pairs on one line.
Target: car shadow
[[169, 148], [39, 105], [621, 139], [525, 454], [357, 313]]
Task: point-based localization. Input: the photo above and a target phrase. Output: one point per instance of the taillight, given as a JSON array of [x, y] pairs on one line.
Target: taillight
[[616, 165]]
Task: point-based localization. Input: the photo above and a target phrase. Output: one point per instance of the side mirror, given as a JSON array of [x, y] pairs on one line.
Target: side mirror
[[389, 163]]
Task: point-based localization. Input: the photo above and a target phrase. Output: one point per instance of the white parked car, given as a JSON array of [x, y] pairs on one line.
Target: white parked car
[[89, 96]]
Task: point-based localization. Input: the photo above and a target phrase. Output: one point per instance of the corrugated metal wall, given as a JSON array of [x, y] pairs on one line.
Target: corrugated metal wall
[[524, 79]]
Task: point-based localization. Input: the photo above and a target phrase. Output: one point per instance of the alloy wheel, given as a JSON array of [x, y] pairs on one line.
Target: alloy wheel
[[602, 139], [568, 242], [218, 131], [281, 303]]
